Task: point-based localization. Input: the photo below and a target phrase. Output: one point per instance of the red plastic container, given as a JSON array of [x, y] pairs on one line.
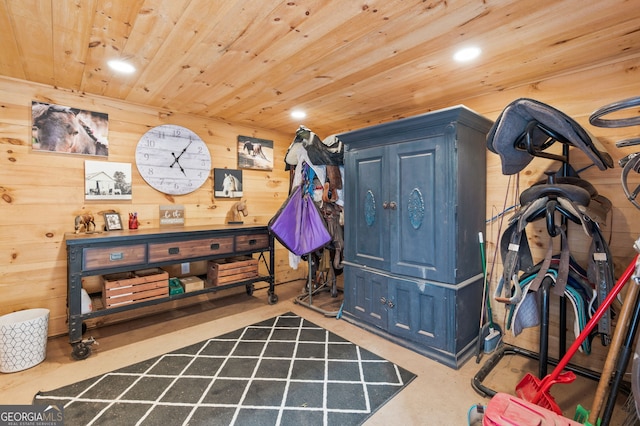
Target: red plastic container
[[508, 410]]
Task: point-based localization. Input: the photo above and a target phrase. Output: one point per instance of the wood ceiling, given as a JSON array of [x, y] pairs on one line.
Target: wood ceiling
[[347, 63]]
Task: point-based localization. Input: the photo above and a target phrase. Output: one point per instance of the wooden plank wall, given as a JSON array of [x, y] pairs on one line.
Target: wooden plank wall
[[41, 193]]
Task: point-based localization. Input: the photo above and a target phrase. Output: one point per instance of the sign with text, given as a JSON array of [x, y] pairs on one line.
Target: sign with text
[[172, 215]]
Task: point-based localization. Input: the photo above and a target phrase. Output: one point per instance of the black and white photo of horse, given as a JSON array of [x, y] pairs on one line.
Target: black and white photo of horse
[[255, 153], [227, 183], [62, 129]]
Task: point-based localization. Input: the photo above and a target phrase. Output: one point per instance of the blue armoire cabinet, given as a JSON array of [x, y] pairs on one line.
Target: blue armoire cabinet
[[414, 204]]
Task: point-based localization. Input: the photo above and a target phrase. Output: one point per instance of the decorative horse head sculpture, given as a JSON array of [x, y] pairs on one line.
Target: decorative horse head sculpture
[[237, 211]]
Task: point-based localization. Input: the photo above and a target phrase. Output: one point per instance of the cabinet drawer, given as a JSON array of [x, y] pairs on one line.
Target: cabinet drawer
[[160, 252], [252, 242], [99, 258]]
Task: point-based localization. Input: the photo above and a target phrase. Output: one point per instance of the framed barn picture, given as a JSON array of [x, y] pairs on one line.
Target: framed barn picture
[[227, 183], [107, 181], [63, 129], [254, 153]]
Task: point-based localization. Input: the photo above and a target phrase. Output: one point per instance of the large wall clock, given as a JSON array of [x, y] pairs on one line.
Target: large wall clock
[[173, 159]]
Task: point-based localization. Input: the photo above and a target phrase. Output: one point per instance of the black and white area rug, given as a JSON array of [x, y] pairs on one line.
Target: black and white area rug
[[282, 371]]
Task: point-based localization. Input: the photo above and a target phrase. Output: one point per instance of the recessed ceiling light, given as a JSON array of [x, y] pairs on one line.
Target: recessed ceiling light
[[298, 114], [467, 54], [121, 66]]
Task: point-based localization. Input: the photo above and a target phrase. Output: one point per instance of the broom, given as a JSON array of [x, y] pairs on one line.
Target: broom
[[493, 337]]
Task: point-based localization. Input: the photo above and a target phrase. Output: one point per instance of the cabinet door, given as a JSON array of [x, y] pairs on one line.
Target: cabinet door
[[418, 312], [422, 221], [365, 296], [366, 221]]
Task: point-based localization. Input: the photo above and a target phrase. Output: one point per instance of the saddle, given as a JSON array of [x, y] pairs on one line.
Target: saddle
[[543, 200], [527, 127], [328, 152]]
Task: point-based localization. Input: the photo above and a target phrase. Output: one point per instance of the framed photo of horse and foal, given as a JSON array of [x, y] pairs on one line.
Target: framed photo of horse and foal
[[255, 153]]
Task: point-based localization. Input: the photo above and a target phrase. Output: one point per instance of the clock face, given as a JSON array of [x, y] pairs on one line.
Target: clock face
[[173, 159]]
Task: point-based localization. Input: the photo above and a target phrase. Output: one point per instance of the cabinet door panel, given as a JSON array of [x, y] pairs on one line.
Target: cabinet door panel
[[419, 312], [421, 225], [366, 221], [366, 296]]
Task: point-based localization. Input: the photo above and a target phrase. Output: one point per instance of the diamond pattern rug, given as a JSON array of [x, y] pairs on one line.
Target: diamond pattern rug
[[282, 371]]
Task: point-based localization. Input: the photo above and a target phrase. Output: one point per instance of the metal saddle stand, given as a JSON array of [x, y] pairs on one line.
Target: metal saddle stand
[[321, 278], [524, 130]]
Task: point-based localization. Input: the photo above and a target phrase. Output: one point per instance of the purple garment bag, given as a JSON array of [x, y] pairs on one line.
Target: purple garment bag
[[298, 225]]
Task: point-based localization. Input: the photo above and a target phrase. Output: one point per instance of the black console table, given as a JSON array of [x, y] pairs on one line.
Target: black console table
[[122, 251]]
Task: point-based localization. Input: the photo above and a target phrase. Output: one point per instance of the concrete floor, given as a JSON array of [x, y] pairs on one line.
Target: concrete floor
[[439, 395]]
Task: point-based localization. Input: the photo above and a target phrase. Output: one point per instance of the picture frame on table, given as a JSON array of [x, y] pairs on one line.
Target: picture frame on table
[[112, 222]]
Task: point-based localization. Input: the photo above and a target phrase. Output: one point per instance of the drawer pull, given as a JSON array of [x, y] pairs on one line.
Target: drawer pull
[[253, 242], [174, 250], [215, 246], [114, 257]]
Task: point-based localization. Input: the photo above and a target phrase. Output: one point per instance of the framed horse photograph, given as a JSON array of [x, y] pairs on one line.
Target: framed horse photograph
[[227, 183], [255, 153], [63, 129]]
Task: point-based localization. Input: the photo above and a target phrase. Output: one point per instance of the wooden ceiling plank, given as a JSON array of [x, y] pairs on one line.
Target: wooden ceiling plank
[[240, 47], [72, 23], [33, 32], [170, 61], [8, 63], [219, 52], [324, 33], [111, 28], [384, 84], [523, 71], [355, 62], [435, 46], [154, 23]]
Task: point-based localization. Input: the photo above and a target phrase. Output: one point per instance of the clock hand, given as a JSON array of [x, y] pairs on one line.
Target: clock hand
[[175, 159], [185, 148]]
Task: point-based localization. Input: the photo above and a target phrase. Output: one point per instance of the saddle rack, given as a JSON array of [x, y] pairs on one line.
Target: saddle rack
[[525, 142], [320, 279]]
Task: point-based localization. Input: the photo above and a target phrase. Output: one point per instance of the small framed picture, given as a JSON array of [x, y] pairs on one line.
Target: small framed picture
[[227, 183], [112, 222]]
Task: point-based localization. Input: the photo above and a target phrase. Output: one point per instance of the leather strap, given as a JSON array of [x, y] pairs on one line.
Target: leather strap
[[563, 267], [544, 267]]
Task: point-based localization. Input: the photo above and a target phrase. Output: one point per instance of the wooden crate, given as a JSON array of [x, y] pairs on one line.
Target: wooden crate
[[230, 270], [191, 283], [132, 287]]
